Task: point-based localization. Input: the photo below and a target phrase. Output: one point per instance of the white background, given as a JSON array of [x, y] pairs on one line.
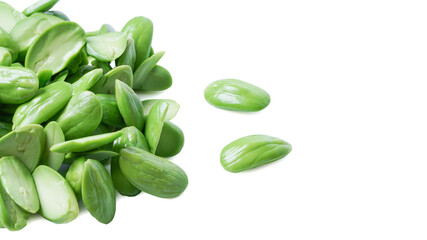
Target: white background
[[348, 86]]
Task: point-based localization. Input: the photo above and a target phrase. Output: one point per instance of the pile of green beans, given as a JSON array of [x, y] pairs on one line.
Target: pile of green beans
[[72, 127], [68, 110]]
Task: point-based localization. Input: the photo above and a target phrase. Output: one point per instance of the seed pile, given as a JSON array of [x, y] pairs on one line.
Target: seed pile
[[68, 109]]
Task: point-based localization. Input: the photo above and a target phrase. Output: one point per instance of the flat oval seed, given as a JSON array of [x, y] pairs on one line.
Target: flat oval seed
[[56, 47], [158, 79], [129, 55], [154, 125], [99, 155], [106, 47], [110, 111], [39, 6], [106, 84], [143, 71], [236, 95], [87, 81], [171, 140], [19, 184], [48, 102], [11, 215], [28, 29], [131, 137], [75, 174], [17, 85], [81, 116], [172, 109], [253, 151], [8, 16], [152, 174], [26, 143], [54, 135], [130, 106], [85, 144], [60, 76], [140, 29], [98, 192], [121, 183], [74, 77], [58, 203]]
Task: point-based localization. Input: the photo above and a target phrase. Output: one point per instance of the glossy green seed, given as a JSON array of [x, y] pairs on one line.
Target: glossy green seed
[[28, 29], [121, 183], [152, 174], [74, 77], [236, 95], [6, 41], [110, 111], [5, 57], [99, 155], [86, 144], [19, 184], [75, 174], [171, 140], [131, 137], [106, 47], [8, 16], [143, 71], [58, 202], [130, 106], [129, 55], [154, 126], [81, 116], [58, 14], [87, 81], [39, 6], [48, 102], [158, 79], [54, 135], [12, 216], [26, 143], [98, 192], [252, 151], [172, 109], [60, 76], [106, 84], [17, 85], [140, 29], [56, 47]]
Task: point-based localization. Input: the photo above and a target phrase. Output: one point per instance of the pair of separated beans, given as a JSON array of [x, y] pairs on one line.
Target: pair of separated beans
[[251, 151]]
